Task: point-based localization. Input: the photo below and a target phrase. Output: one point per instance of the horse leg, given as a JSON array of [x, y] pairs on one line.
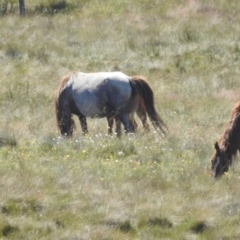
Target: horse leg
[[134, 123], [83, 123], [118, 127], [142, 114], [124, 118], [110, 121]]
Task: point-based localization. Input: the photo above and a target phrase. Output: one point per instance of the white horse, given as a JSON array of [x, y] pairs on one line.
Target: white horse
[[105, 94]]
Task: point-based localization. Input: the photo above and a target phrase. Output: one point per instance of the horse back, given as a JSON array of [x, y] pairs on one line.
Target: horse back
[[95, 94]]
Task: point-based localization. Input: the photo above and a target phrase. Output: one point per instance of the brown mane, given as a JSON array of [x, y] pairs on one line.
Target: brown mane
[[230, 139], [62, 84]]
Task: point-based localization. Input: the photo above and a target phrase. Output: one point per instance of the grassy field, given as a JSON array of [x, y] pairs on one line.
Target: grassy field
[[99, 187]]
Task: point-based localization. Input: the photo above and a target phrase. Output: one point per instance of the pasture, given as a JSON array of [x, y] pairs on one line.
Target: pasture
[[141, 186]]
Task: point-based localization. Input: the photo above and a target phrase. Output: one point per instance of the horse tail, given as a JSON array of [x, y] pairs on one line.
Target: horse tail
[[65, 122], [146, 97]]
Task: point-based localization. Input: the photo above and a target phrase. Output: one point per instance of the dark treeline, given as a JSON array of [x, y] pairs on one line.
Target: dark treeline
[[54, 6]]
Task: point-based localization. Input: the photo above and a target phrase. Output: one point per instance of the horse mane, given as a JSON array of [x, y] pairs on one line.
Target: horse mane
[[230, 139], [141, 87], [61, 86]]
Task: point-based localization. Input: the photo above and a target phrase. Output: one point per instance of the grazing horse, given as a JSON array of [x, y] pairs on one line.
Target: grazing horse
[[105, 94], [227, 146]]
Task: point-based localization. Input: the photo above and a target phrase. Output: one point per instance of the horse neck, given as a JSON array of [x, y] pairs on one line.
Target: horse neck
[[230, 140]]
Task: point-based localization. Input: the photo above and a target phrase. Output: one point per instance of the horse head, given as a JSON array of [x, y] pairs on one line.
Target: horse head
[[220, 161]]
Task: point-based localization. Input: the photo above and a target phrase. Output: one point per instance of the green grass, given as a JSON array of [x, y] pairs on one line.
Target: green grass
[[136, 187]]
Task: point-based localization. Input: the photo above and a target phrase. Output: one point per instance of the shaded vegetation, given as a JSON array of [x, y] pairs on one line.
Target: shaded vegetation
[[162, 222], [199, 227]]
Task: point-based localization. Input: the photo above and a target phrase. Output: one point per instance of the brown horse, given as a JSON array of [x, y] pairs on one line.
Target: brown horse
[[227, 146], [105, 94]]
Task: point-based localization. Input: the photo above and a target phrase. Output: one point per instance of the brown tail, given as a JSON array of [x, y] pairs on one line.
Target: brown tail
[[146, 95], [64, 124]]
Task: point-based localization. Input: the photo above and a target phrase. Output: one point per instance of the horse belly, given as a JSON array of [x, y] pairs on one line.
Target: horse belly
[[89, 106], [93, 112]]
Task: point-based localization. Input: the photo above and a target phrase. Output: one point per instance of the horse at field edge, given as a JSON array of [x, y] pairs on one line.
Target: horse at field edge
[[113, 95], [227, 146]]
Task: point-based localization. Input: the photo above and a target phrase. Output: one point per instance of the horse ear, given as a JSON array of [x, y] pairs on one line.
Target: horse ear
[[217, 147]]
